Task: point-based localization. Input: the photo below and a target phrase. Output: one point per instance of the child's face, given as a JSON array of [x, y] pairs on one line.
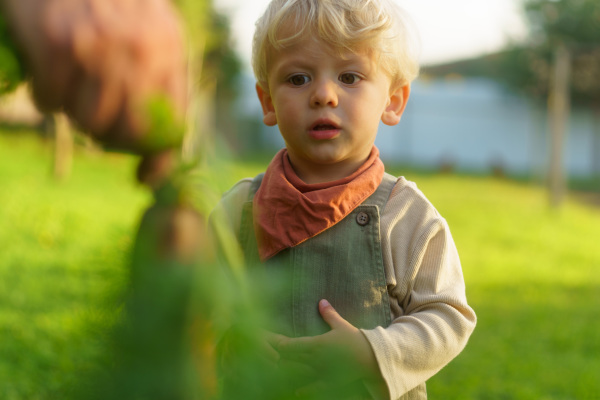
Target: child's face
[[328, 107]]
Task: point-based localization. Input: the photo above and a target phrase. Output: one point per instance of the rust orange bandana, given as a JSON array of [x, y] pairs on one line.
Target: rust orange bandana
[[287, 211]]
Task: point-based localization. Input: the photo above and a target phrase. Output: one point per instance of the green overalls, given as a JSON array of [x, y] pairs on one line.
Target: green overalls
[[343, 264]]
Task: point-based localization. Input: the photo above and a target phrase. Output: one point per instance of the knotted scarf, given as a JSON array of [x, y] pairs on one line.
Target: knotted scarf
[[287, 211]]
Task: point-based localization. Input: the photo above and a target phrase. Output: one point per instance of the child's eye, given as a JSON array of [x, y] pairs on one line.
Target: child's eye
[[298, 80], [349, 78]]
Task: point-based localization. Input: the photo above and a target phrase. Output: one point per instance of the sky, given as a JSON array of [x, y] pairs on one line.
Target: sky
[[449, 30]]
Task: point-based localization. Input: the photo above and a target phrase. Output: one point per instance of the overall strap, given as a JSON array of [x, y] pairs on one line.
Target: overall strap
[[256, 182], [382, 194], [246, 232]]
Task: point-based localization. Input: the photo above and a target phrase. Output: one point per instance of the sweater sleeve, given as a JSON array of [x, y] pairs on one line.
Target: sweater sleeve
[[431, 318]]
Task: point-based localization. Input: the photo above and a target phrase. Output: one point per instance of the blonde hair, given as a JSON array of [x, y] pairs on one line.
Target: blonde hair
[[380, 26]]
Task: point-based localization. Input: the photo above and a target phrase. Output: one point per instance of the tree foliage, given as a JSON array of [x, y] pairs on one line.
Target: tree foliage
[[215, 68], [573, 22], [527, 67], [576, 25], [209, 38]]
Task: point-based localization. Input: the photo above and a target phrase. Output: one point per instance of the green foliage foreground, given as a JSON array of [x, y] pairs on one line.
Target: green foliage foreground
[[532, 277]]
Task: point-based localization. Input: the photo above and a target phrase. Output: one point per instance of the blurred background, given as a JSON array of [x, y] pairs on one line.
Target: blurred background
[[502, 133]]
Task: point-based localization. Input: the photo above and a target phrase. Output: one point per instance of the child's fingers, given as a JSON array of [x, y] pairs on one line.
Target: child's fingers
[[305, 350], [301, 345], [302, 371], [271, 344], [274, 339], [331, 316], [270, 354], [308, 358]]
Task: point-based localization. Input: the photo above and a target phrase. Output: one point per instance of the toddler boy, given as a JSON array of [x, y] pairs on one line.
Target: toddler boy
[[370, 265]]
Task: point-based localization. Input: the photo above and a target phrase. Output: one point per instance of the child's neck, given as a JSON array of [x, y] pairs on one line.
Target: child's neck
[[324, 173]]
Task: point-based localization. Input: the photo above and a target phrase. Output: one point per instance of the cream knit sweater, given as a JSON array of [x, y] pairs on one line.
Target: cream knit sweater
[[431, 320]]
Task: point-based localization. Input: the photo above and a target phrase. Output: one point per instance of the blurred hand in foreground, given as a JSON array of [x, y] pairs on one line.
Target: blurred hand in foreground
[[103, 62]]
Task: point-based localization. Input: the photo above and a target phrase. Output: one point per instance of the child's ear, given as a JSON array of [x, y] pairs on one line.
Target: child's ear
[[397, 103], [269, 117]]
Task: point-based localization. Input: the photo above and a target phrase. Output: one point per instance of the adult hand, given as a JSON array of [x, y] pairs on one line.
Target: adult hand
[[103, 62]]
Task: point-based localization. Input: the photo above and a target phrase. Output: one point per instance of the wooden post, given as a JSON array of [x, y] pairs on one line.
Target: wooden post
[[559, 111], [63, 147]]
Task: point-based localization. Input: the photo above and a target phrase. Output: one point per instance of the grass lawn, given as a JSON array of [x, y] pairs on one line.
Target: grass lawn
[[63, 252], [532, 276]]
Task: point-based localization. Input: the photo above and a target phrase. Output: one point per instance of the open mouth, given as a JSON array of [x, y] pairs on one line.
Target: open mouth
[[324, 130], [324, 127]]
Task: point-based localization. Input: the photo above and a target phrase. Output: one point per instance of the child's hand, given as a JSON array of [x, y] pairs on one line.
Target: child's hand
[[270, 344], [341, 356]]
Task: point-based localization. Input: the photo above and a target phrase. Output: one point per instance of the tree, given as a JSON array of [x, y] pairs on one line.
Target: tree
[[574, 24], [570, 31]]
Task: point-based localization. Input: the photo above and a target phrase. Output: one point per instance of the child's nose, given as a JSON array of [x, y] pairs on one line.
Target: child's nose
[[324, 94]]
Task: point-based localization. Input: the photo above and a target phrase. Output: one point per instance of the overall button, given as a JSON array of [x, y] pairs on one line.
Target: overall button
[[362, 218]]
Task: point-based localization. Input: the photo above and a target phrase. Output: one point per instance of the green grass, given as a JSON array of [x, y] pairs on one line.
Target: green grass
[[62, 261], [531, 272]]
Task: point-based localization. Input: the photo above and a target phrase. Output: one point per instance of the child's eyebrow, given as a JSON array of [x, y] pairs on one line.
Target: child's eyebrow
[[304, 64], [295, 62]]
